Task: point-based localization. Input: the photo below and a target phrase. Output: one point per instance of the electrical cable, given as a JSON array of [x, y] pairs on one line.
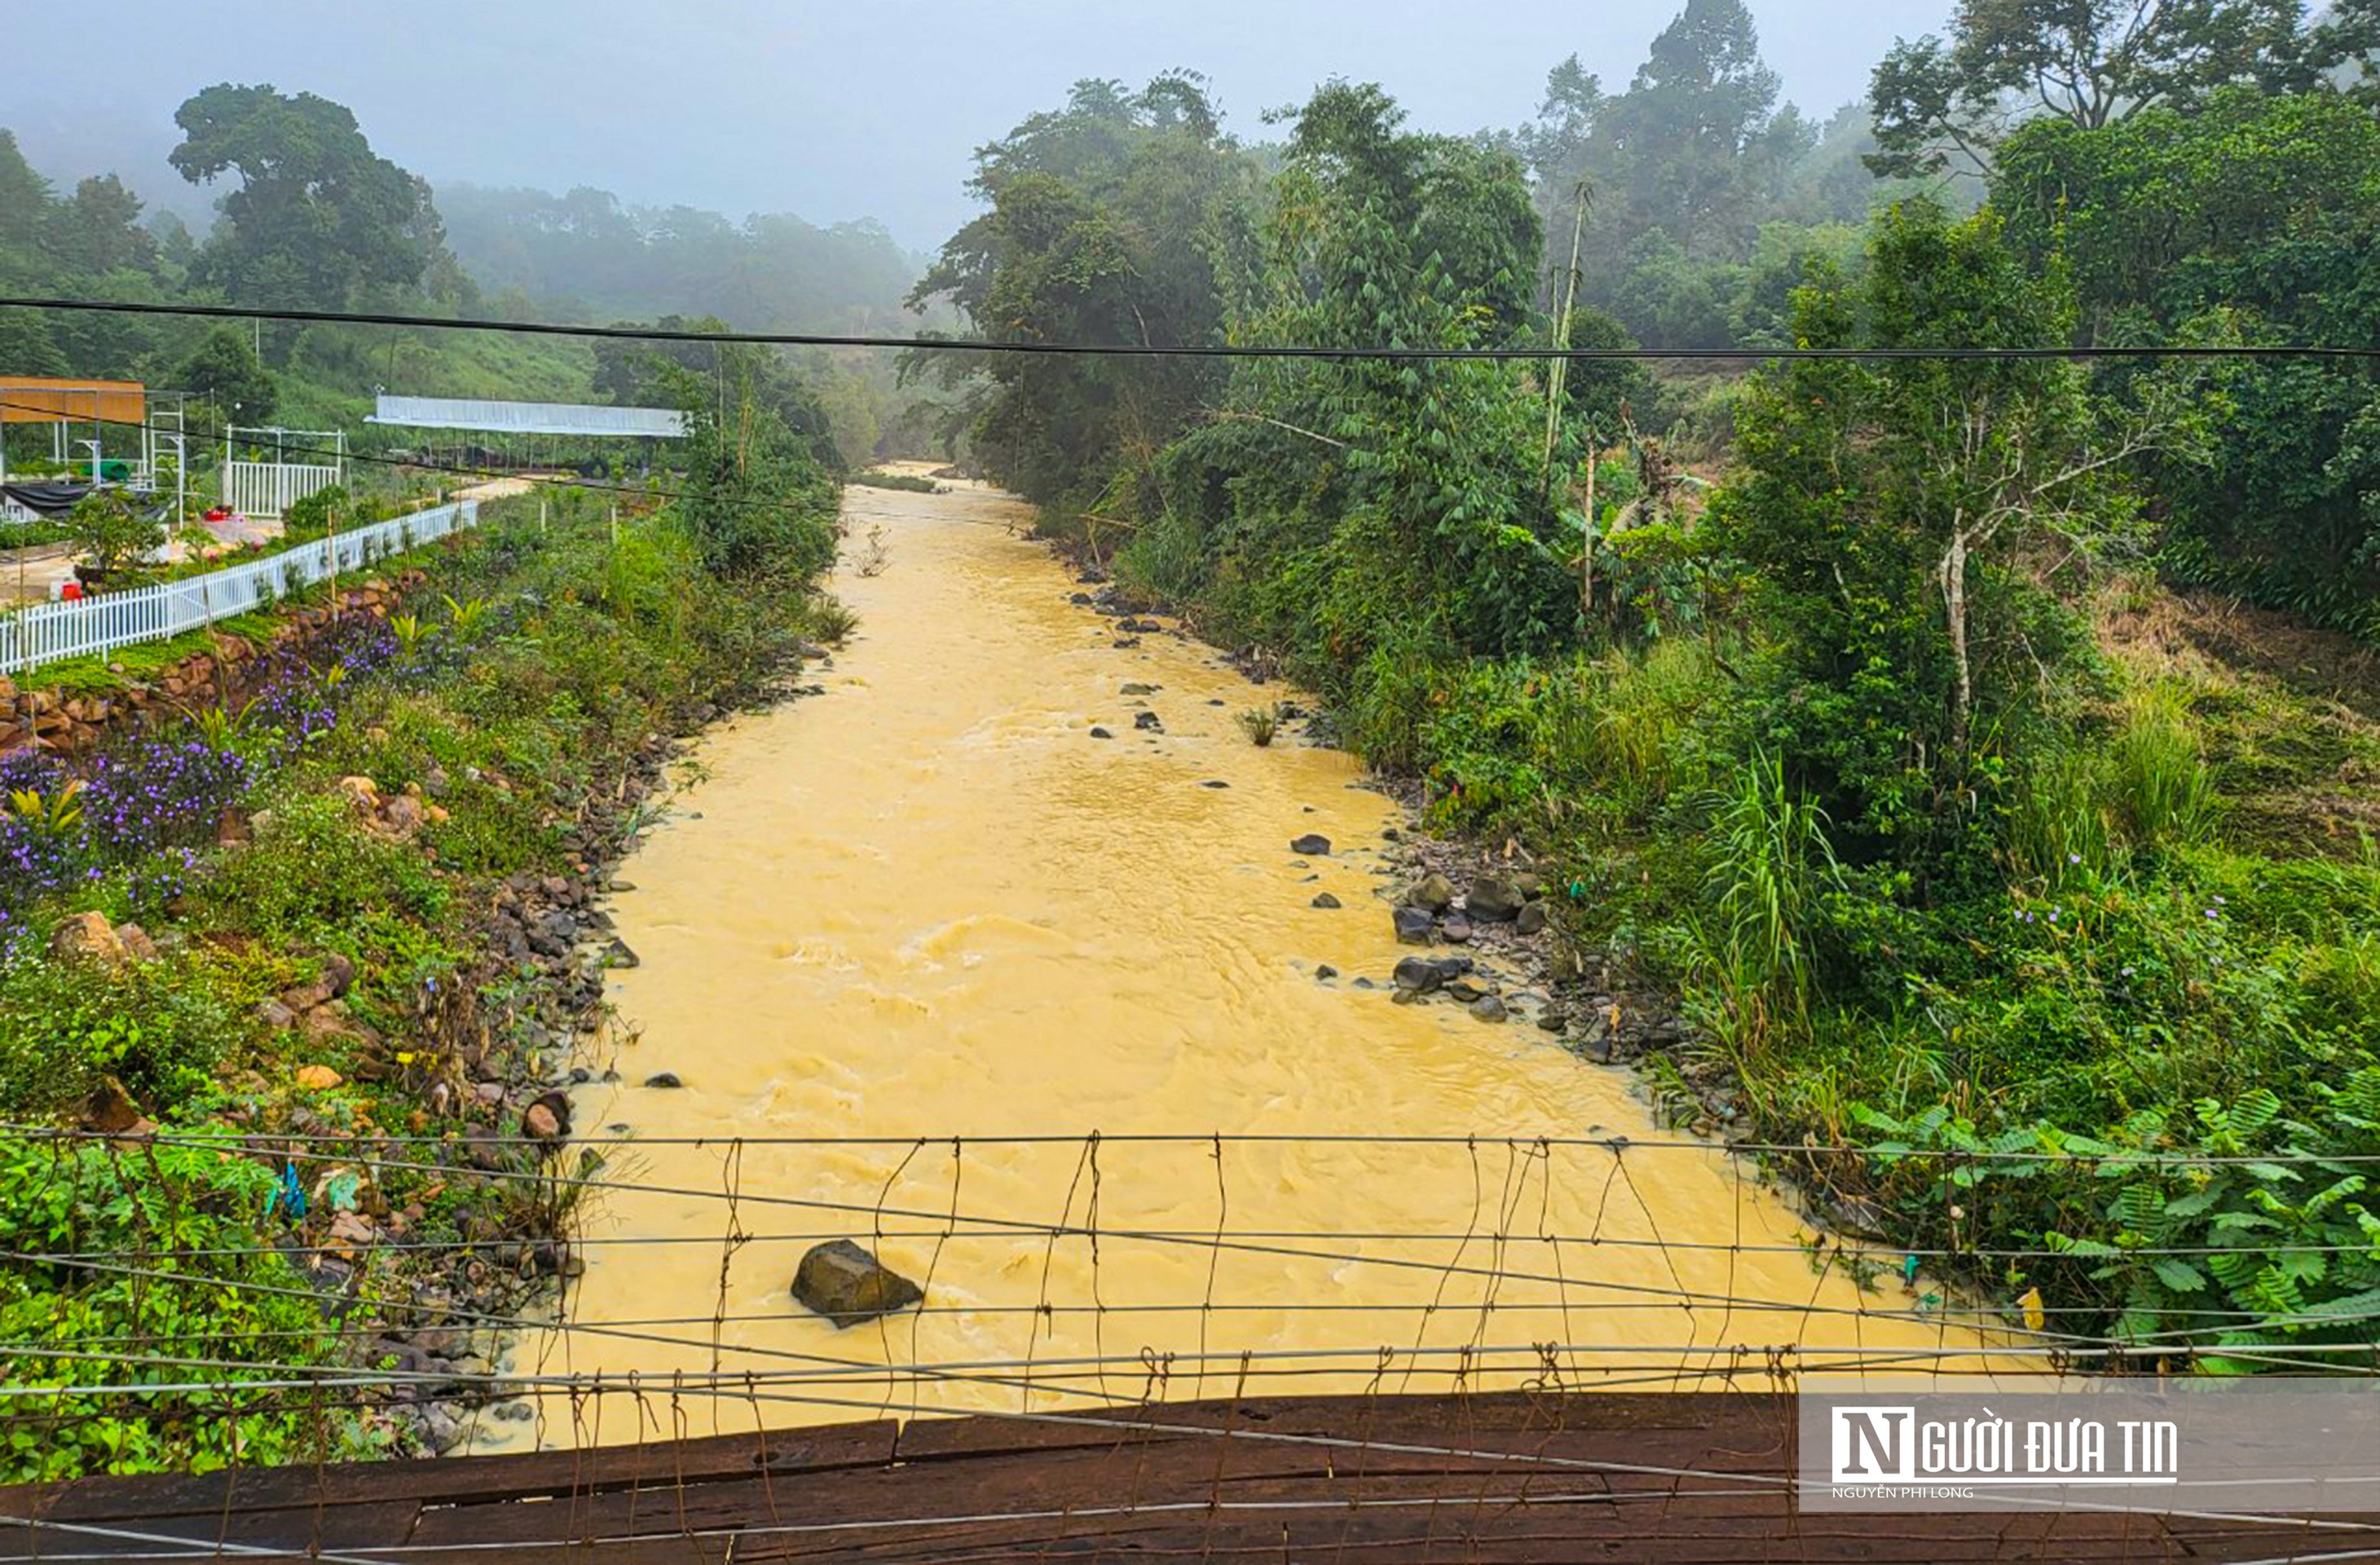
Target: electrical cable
[[1144, 350]]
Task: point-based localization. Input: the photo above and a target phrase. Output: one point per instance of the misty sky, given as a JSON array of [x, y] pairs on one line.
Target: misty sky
[[832, 109]]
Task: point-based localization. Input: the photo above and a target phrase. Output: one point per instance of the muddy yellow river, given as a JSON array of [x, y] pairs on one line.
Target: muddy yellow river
[[909, 944]]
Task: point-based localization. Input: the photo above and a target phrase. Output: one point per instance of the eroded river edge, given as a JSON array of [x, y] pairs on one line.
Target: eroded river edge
[[937, 968]]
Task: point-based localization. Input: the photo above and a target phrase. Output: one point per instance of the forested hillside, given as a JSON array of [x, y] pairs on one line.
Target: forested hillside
[[310, 215], [584, 255]]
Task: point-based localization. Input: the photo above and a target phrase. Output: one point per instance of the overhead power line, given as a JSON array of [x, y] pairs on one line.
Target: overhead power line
[[1145, 350]]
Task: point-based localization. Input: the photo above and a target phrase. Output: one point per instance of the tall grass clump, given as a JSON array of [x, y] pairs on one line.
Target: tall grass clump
[[1391, 697], [2059, 820], [1645, 706], [2159, 785], [1770, 869], [1166, 559]]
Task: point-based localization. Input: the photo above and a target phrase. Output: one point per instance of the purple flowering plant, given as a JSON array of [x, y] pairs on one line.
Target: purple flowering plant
[[143, 807]]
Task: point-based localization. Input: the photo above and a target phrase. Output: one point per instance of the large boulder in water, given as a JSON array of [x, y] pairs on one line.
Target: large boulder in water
[[1423, 975], [847, 1285]]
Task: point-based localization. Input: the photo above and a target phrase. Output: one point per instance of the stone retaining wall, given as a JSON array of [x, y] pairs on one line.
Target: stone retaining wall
[[47, 717]]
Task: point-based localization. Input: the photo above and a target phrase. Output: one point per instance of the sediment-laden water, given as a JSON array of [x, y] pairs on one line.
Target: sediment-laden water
[[929, 908]]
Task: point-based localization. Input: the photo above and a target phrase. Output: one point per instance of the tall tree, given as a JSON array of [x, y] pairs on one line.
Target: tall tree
[[1391, 499], [2254, 219], [1682, 168], [1110, 220], [1698, 142], [25, 197], [98, 228], [1898, 513], [316, 215], [1947, 103]]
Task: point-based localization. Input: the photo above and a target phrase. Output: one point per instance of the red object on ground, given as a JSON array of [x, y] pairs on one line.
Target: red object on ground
[[220, 514], [71, 590]]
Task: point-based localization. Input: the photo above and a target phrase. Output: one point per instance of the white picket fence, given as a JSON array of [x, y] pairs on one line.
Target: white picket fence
[[268, 489], [79, 628]]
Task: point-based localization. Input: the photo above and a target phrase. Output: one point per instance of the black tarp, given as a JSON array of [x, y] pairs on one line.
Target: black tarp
[[46, 499]]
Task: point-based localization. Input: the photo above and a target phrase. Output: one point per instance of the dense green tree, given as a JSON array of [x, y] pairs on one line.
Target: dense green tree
[[27, 348], [1894, 513], [1668, 297], [758, 500], [25, 198], [225, 370], [1683, 172], [1370, 502], [1947, 103], [98, 229], [1110, 220], [2255, 219], [1761, 314], [1608, 395], [316, 215], [1699, 143]]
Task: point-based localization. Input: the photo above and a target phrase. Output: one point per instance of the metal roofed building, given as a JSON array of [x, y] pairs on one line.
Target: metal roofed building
[[531, 417]]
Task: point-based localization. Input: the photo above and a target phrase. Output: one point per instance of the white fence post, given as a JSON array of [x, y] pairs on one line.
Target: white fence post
[[48, 632], [268, 489]]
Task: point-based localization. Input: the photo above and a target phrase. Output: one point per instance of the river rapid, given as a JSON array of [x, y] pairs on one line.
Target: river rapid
[[890, 926]]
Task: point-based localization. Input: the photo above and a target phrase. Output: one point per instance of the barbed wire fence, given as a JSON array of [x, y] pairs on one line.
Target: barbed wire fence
[[1514, 1300]]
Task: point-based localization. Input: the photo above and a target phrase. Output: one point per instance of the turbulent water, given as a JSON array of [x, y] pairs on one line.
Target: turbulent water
[[893, 924]]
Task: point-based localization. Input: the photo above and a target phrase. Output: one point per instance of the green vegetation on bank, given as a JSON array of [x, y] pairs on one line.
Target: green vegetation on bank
[[1888, 742], [312, 870]]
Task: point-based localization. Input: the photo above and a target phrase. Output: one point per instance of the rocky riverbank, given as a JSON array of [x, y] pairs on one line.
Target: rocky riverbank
[[1490, 916], [548, 941]]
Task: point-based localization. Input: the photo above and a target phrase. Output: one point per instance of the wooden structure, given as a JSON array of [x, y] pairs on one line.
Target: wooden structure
[[117, 414], [45, 399], [1677, 1479]]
